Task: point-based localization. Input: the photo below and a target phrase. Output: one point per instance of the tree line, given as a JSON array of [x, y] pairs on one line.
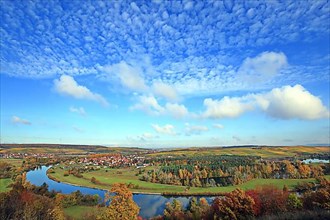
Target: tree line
[[257, 203], [215, 171]]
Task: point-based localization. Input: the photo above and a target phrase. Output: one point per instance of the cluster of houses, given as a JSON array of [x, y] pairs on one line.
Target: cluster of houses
[[112, 161]]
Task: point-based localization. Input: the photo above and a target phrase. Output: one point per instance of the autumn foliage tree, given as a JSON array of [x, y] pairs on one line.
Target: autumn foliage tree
[[174, 211], [257, 202], [293, 202], [304, 170], [21, 203], [272, 199], [198, 209], [235, 205], [319, 199], [121, 204]]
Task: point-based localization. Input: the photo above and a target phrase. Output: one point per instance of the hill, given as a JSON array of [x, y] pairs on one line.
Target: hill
[[67, 149]]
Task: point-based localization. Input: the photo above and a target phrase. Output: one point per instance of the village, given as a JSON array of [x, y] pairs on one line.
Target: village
[[110, 161]]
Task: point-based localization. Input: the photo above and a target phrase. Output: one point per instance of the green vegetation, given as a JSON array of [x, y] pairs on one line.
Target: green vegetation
[[266, 202], [239, 204], [4, 183], [121, 206], [176, 172], [124, 175], [106, 177], [79, 212]]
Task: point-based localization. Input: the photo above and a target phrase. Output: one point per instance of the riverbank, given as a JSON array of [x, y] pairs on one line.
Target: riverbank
[[99, 187], [128, 177]]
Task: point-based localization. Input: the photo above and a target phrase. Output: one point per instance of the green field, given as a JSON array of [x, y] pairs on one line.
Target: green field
[[112, 176], [79, 212], [128, 176], [4, 183], [265, 152]]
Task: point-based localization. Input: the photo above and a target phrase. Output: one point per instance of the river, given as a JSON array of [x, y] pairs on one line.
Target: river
[[307, 161], [150, 205]]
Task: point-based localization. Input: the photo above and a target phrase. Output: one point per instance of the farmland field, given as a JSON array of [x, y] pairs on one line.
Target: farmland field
[[264, 152]]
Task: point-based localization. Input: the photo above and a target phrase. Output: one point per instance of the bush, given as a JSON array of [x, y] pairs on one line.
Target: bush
[[293, 202], [95, 181]]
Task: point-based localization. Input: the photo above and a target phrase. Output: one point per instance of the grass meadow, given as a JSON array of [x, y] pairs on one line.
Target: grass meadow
[[106, 177]]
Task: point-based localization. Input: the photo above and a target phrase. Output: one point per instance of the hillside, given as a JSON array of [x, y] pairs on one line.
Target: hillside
[[66, 149]]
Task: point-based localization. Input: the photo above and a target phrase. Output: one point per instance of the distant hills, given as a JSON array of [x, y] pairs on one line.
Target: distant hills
[[67, 149], [57, 146]]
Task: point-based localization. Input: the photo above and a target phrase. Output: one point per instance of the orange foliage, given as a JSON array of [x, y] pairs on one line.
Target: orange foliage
[[122, 205], [273, 200]]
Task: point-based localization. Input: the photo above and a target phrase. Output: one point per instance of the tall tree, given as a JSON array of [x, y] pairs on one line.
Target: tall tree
[[121, 205], [174, 211], [273, 200], [304, 170], [236, 205]]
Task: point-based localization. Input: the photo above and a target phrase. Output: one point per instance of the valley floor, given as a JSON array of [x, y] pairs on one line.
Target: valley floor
[[107, 176]]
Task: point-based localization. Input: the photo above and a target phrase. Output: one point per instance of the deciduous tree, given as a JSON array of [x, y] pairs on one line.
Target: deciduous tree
[[235, 205], [174, 211], [121, 205]]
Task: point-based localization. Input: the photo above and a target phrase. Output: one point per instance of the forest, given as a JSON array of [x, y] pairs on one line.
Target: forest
[[217, 171]]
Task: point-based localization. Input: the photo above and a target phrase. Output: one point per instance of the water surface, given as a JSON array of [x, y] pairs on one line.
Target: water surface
[[150, 205], [307, 161]]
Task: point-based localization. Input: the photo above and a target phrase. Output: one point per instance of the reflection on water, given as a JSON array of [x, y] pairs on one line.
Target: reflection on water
[[307, 161], [151, 205]]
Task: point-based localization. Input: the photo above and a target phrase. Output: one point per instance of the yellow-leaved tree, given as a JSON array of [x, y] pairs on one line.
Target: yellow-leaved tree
[[121, 204]]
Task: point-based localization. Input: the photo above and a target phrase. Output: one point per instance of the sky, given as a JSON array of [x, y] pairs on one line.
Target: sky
[[165, 73]]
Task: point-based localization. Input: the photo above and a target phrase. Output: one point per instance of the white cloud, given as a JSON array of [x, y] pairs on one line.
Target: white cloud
[[133, 76], [226, 107], [176, 110], [130, 77], [292, 102], [80, 110], [165, 90], [18, 120], [66, 85], [219, 126], [286, 102], [166, 129], [195, 129], [150, 105], [185, 41], [262, 67]]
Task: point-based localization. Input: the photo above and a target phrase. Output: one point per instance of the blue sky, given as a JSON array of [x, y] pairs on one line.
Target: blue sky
[[165, 74]]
